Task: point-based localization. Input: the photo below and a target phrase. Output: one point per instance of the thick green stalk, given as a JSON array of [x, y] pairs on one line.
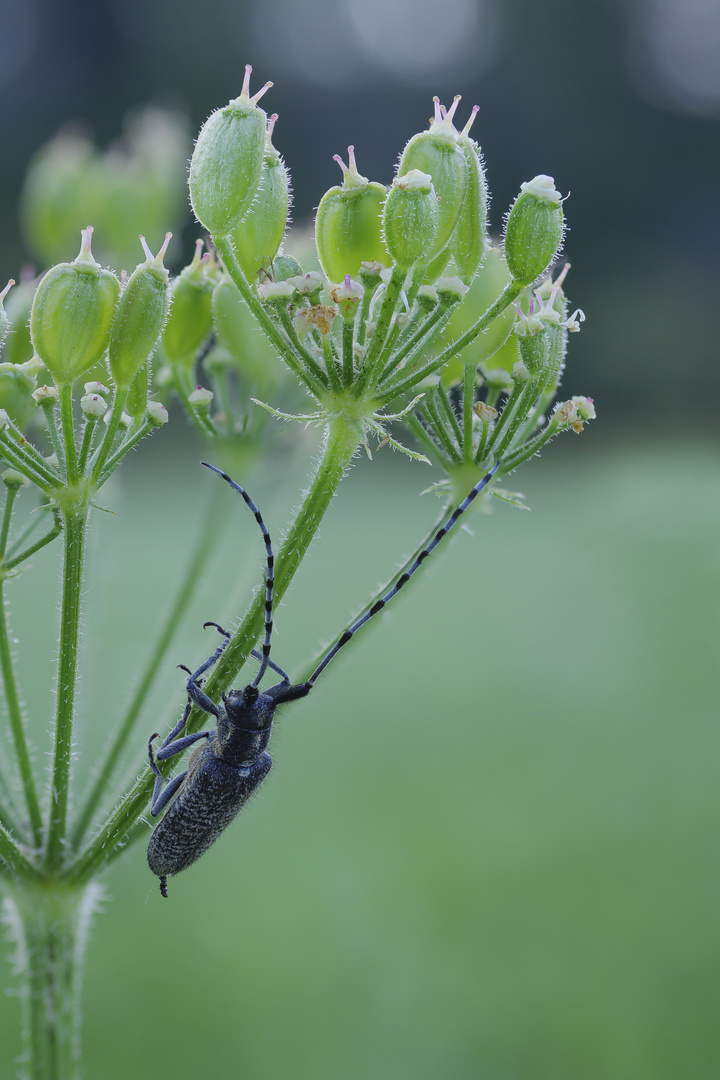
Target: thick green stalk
[[209, 536], [344, 435], [75, 525], [49, 924]]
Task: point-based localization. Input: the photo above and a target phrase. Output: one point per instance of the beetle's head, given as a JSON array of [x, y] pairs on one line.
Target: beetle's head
[[249, 708]]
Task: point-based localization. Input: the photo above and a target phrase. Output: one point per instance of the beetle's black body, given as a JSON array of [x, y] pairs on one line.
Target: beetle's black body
[[224, 772]]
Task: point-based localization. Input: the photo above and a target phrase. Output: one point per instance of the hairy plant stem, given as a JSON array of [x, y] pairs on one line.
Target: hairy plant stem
[[75, 525], [344, 435], [49, 924], [14, 709]]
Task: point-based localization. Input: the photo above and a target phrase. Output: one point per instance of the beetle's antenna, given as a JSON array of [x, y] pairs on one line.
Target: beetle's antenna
[[402, 580], [269, 573]]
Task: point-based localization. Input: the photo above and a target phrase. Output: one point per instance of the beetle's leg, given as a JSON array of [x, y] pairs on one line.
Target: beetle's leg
[[272, 665], [163, 795], [176, 730], [256, 653], [163, 792]]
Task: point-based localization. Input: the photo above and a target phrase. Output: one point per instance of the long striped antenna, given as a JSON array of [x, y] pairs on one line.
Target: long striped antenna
[[269, 573], [402, 580]]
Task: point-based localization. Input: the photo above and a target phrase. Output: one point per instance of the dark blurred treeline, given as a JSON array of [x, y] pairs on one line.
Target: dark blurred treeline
[[619, 101]]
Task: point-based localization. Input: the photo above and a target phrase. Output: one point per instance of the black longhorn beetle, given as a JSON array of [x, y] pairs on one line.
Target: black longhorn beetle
[[222, 775]]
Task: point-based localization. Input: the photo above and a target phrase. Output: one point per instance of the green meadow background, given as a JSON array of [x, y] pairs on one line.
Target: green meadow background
[[488, 849]]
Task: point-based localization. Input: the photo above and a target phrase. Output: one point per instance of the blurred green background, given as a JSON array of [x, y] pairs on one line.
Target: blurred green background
[[488, 848]]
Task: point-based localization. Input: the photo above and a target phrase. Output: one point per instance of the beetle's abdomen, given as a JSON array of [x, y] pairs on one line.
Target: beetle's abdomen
[[212, 795]]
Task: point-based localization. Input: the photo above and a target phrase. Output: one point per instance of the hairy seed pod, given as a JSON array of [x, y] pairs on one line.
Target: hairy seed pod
[[257, 238], [438, 153], [470, 235], [227, 161], [189, 324], [410, 220], [534, 229], [4, 320], [72, 315], [141, 315], [348, 224]]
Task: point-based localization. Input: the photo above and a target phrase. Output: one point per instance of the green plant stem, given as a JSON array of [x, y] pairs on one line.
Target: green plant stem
[[121, 396], [468, 400], [68, 431], [53, 430], [41, 543], [208, 538], [525, 452], [114, 460], [382, 327], [344, 435], [290, 349], [416, 428], [17, 728], [447, 408], [74, 526], [347, 351], [506, 297], [439, 425], [91, 423], [518, 413], [49, 924], [312, 374], [34, 468]]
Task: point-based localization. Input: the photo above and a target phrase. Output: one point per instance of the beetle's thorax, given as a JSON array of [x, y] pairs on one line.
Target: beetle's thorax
[[244, 730]]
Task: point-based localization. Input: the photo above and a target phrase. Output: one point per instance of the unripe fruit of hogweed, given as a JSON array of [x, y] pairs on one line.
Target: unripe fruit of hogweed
[[469, 237], [438, 153], [189, 324], [72, 314], [227, 162], [4, 320], [141, 314], [348, 224], [257, 238], [410, 220], [534, 229]]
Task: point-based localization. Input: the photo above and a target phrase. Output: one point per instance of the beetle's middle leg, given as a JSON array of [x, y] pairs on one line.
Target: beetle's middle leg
[[171, 745]]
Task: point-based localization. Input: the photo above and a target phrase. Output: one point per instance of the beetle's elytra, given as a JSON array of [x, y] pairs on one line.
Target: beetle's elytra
[[224, 772]]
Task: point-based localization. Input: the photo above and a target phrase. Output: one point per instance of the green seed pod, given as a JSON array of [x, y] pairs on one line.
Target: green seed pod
[[285, 266], [257, 238], [534, 229], [227, 161], [18, 348], [348, 225], [72, 315], [4, 320], [470, 235], [189, 324], [438, 153], [410, 220], [141, 315]]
